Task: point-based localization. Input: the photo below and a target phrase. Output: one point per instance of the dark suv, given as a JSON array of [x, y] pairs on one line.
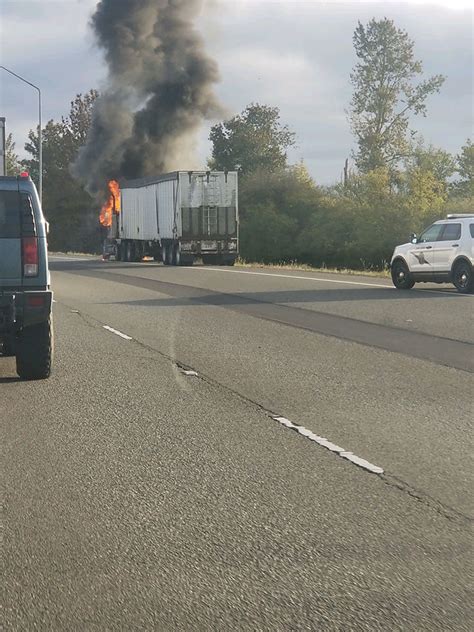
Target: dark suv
[[25, 294]]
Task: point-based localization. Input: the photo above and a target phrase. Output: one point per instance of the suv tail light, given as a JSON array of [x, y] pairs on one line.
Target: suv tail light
[[30, 256]]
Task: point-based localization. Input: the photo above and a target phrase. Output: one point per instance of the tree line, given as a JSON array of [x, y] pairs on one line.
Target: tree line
[[399, 183]]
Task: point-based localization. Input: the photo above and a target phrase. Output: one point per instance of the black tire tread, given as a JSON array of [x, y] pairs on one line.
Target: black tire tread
[[469, 289], [408, 283], [34, 352]]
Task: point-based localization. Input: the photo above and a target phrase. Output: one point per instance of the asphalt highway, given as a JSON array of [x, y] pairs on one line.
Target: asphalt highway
[[241, 449]]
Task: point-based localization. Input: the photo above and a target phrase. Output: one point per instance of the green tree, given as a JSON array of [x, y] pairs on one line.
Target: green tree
[[433, 159], [70, 210], [268, 235], [426, 197], [12, 162], [385, 93], [465, 168], [252, 140]]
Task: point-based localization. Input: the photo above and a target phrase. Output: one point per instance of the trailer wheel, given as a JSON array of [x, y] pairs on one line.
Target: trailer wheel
[[118, 253], [187, 260], [177, 260], [137, 252], [130, 256], [209, 260], [228, 261], [167, 254]]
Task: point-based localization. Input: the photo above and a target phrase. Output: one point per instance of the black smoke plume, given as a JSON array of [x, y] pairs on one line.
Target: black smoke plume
[[158, 92]]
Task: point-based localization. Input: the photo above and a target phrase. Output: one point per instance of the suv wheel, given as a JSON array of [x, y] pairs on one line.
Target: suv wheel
[[34, 351], [463, 278], [401, 276]]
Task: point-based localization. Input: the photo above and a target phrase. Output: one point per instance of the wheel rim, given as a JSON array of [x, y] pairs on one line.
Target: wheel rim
[[462, 277], [400, 274]]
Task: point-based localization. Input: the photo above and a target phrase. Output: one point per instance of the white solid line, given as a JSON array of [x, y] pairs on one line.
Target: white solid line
[[70, 259], [323, 442], [321, 280], [291, 276], [117, 333]]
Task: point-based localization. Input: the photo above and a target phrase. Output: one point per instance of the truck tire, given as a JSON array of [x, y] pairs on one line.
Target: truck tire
[[118, 253], [129, 251], [176, 259], [210, 260], [34, 351], [167, 255], [182, 258], [228, 261], [138, 251]]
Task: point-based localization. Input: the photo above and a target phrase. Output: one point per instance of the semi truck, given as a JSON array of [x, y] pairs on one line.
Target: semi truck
[[176, 218]]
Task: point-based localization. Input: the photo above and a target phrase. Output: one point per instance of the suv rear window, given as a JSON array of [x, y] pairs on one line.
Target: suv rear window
[[10, 207], [451, 232]]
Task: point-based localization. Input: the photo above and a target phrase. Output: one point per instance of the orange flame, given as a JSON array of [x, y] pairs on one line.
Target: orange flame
[[112, 205]]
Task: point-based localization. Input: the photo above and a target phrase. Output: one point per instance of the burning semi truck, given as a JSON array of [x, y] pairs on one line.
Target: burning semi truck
[[175, 218]]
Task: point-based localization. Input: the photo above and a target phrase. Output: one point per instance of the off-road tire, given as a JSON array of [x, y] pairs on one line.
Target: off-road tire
[[34, 351], [463, 277], [401, 276], [7, 349]]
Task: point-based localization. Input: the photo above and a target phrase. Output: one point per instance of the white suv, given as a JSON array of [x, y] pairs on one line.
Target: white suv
[[443, 253]]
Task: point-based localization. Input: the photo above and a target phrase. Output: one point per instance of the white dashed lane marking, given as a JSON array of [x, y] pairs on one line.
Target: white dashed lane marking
[[304, 432], [117, 333], [323, 442]]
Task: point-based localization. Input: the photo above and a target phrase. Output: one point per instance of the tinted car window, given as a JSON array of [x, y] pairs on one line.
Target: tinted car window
[[432, 233], [9, 214], [451, 231], [471, 228]]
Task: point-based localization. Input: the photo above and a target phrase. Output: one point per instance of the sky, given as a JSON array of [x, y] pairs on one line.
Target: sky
[[294, 54]]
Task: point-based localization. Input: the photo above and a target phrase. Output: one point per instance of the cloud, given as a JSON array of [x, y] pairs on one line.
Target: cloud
[[294, 54]]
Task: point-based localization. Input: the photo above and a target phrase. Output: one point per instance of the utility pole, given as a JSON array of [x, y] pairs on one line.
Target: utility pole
[[346, 172], [40, 132], [3, 151]]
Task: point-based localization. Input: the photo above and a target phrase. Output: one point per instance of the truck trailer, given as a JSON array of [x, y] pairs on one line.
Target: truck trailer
[[176, 218]]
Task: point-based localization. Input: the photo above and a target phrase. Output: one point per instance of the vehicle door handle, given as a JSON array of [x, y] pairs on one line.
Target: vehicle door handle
[[428, 247], [455, 245]]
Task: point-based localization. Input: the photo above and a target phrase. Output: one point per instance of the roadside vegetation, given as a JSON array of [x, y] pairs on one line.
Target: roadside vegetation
[[398, 184]]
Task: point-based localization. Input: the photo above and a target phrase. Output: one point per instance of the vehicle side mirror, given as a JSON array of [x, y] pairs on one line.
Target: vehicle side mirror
[[413, 238]]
